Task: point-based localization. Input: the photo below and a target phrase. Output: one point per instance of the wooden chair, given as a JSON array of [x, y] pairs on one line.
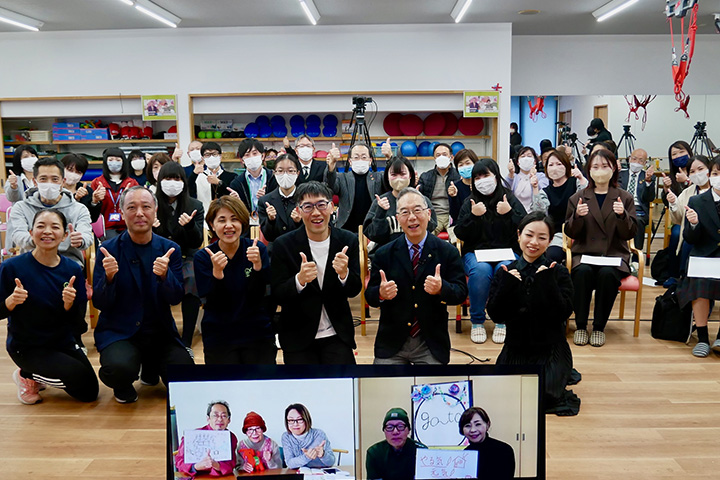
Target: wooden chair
[[364, 279], [98, 228], [631, 283], [466, 304]]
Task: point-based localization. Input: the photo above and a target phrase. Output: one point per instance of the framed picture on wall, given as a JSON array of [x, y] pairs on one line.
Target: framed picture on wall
[[159, 107], [481, 104]]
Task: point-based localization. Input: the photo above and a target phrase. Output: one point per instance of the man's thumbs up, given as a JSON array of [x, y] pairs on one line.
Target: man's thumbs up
[[433, 284]]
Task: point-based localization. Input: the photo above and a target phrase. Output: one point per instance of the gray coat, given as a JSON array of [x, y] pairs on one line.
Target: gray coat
[[343, 185]]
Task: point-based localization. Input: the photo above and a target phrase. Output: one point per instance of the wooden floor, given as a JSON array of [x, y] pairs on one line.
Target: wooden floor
[[650, 410]]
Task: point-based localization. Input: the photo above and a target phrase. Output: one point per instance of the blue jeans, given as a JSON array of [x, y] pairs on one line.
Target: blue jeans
[[479, 277]]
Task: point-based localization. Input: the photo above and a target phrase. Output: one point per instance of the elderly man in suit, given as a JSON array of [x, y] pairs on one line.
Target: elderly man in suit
[[314, 271], [413, 280], [641, 185]]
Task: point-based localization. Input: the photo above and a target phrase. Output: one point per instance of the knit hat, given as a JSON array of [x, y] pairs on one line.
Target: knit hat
[[396, 414], [252, 419]]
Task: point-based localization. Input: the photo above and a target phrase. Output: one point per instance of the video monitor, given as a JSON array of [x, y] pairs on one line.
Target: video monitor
[[359, 422]]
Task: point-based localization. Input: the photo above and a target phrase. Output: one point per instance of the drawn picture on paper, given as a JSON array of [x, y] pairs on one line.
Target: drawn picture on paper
[[198, 442], [437, 408]]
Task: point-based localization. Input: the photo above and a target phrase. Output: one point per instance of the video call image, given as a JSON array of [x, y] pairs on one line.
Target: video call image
[[470, 422]]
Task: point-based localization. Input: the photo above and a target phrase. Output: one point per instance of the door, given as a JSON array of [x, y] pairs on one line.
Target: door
[[601, 112]]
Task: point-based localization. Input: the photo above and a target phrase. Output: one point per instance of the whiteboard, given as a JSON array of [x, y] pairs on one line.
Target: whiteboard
[[437, 408], [437, 463]]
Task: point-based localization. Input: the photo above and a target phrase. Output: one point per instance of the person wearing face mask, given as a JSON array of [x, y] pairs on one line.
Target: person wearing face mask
[[702, 222], [75, 167], [515, 138], [108, 187], [381, 225], [533, 296], [488, 219], [24, 159], [180, 219], [641, 185], [600, 219], [256, 181], [208, 180], [178, 153], [138, 165], [311, 169], [523, 174], [155, 163], [552, 200], [435, 184], [464, 161], [356, 187], [276, 210]]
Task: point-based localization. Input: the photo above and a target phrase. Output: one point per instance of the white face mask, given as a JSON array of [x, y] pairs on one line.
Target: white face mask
[[699, 178], [526, 163], [253, 163], [28, 163], [305, 153], [486, 186], [715, 182], [195, 156], [442, 161], [138, 164], [635, 167], [213, 162], [115, 166], [286, 180], [72, 178], [360, 167], [555, 172], [172, 188], [49, 190]]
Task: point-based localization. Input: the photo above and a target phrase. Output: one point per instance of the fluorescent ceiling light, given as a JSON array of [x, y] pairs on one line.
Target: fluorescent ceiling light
[[310, 10], [21, 21], [127, 2], [158, 13], [459, 9], [612, 8]]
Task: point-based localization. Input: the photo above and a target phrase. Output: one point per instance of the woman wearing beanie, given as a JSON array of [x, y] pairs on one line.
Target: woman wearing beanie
[[263, 449]]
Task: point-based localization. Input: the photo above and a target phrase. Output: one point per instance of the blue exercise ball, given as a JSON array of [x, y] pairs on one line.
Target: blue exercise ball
[[432, 148], [262, 120], [330, 120], [408, 148], [277, 120], [280, 131], [313, 130], [329, 131], [456, 147], [265, 131], [297, 121], [312, 120], [296, 131], [252, 130], [424, 149]]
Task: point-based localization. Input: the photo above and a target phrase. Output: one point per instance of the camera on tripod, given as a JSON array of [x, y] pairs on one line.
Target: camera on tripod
[[360, 102], [700, 126]]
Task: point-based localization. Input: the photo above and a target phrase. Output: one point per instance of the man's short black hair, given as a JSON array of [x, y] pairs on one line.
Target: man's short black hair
[[80, 162], [442, 145], [210, 146], [49, 162], [248, 144], [312, 189]]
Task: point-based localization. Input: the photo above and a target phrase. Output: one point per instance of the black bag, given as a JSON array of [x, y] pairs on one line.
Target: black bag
[[669, 321], [660, 267]]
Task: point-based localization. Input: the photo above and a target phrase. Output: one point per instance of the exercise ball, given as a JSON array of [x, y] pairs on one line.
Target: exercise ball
[[280, 131], [330, 131], [217, 134], [262, 120], [201, 134], [312, 120], [277, 120], [265, 131], [408, 148], [297, 121], [456, 147], [424, 149], [252, 130], [330, 120]]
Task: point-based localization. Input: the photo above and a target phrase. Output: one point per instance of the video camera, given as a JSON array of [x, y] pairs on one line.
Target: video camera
[[360, 102]]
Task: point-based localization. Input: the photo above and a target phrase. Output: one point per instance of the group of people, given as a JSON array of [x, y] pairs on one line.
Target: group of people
[[305, 446]]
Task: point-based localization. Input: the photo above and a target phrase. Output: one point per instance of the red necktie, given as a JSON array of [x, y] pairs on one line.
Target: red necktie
[[415, 328]]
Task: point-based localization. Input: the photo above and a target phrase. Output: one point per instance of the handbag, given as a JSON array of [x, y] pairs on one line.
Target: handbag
[[669, 321]]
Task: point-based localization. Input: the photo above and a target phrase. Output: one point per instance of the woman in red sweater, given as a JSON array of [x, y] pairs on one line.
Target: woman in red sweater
[[108, 187]]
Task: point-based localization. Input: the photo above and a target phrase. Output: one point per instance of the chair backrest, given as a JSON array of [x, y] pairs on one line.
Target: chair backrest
[[98, 227], [5, 204]]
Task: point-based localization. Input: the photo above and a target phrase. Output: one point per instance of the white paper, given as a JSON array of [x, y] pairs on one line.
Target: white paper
[[601, 261], [494, 255], [704, 267], [437, 463], [198, 442]]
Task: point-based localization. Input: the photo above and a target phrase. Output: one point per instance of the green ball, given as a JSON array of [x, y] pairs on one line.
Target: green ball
[[201, 134], [217, 134]]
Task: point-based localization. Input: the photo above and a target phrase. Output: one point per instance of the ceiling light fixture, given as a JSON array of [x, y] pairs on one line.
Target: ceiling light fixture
[[158, 13], [612, 8], [310, 10], [459, 9], [21, 21], [127, 2]]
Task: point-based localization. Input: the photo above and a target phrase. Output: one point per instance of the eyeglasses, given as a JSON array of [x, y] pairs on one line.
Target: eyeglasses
[[417, 211], [254, 430], [295, 421], [224, 416], [322, 205], [210, 153], [280, 171], [400, 428]]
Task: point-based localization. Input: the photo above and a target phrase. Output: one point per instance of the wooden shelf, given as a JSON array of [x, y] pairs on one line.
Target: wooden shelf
[[427, 137], [28, 143], [266, 139], [346, 137], [93, 142]]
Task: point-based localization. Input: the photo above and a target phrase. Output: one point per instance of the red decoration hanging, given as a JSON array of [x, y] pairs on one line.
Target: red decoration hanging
[[681, 68], [636, 105], [536, 108]]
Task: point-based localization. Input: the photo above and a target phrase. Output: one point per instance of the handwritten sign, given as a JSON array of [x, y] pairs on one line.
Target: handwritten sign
[[437, 408], [198, 442], [445, 464]]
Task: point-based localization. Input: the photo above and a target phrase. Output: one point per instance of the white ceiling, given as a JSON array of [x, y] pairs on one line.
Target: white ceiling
[[556, 17]]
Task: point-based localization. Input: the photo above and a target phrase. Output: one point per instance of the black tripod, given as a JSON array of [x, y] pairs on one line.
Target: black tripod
[[628, 140], [359, 127], [700, 137]]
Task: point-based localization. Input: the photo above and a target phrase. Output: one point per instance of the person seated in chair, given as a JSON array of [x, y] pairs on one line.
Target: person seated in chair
[[394, 457]]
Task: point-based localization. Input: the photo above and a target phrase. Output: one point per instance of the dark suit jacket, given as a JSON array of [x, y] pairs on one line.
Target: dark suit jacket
[[219, 190], [317, 172], [601, 232], [646, 193], [705, 237], [120, 302], [397, 315], [343, 185], [283, 222], [240, 185], [300, 314]]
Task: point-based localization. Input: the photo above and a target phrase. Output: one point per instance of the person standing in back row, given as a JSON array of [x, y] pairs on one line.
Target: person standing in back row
[[435, 183]]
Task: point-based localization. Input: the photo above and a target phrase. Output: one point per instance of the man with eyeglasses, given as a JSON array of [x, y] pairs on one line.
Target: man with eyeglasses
[[394, 457], [356, 188], [208, 180], [315, 270], [218, 419], [413, 280]]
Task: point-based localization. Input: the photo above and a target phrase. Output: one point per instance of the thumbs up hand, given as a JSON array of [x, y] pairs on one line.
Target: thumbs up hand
[[691, 215], [582, 209], [177, 153], [452, 189], [109, 264], [160, 265], [382, 202], [433, 283], [340, 263], [219, 262], [253, 255], [504, 206], [388, 290], [478, 209], [271, 212], [18, 296], [68, 294], [308, 271], [618, 207], [386, 149], [185, 218], [76, 238], [333, 156], [667, 181], [12, 180]]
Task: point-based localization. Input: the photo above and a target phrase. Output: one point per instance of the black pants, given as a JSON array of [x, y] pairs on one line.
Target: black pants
[[80, 326], [66, 369], [605, 281], [642, 222], [120, 361], [323, 351], [260, 352], [190, 308], [556, 254]]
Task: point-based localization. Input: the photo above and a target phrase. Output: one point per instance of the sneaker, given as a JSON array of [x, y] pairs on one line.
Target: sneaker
[[125, 395], [478, 333], [716, 346], [702, 349], [597, 339], [499, 333], [27, 389], [149, 379], [581, 337]]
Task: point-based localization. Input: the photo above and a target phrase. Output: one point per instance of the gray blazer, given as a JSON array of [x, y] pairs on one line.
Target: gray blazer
[[343, 185]]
